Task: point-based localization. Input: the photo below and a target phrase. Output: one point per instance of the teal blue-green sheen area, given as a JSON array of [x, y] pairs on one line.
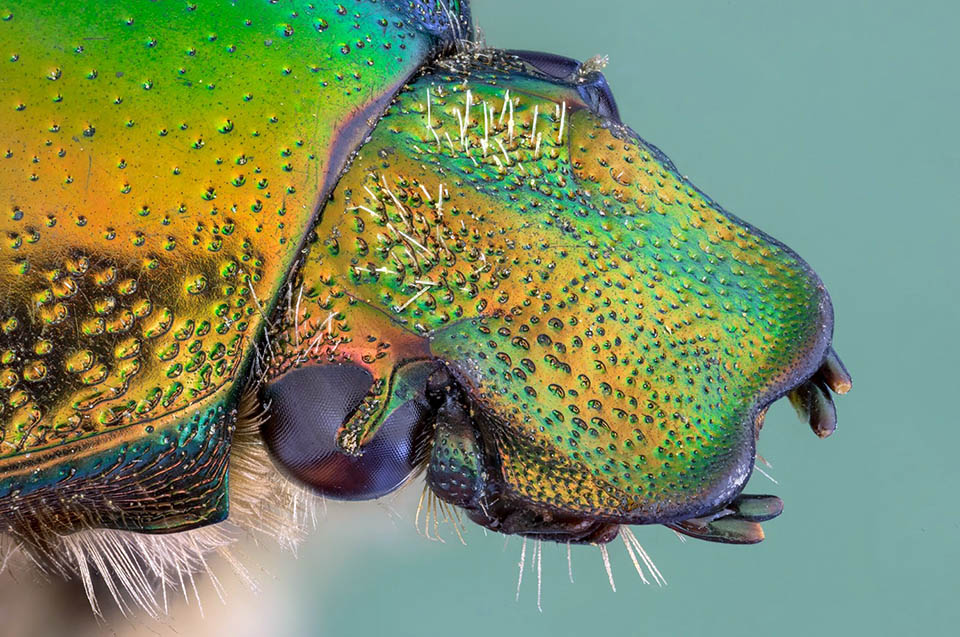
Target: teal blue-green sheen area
[[184, 464]]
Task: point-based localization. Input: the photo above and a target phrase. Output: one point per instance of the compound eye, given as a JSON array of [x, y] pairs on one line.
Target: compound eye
[[598, 94], [556, 66], [593, 87], [307, 407]]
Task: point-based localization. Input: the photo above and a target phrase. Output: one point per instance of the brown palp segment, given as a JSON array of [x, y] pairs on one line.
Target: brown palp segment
[[814, 404], [835, 373]]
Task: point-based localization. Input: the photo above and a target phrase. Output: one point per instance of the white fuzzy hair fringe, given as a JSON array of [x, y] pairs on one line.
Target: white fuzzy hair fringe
[[140, 570]]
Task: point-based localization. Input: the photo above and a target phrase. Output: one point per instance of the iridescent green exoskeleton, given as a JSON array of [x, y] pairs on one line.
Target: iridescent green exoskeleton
[[344, 242]]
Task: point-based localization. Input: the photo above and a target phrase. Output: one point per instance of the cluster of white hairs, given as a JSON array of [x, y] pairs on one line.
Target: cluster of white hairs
[[634, 549], [495, 124], [142, 571]]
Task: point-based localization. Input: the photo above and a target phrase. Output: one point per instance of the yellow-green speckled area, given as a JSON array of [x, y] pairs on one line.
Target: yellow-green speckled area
[[159, 165]]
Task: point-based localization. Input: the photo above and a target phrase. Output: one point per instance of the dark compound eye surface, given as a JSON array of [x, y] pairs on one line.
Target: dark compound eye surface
[[593, 87], [307, 407], [556, 66], [596, 92]]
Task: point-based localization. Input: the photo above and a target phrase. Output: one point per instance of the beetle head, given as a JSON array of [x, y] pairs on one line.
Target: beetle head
[[599, 338]]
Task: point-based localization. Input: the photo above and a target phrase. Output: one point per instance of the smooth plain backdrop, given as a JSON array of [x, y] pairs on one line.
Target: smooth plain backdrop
[[831, 125]]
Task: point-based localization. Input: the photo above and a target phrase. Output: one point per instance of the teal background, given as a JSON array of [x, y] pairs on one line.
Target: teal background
[[832, 125]]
